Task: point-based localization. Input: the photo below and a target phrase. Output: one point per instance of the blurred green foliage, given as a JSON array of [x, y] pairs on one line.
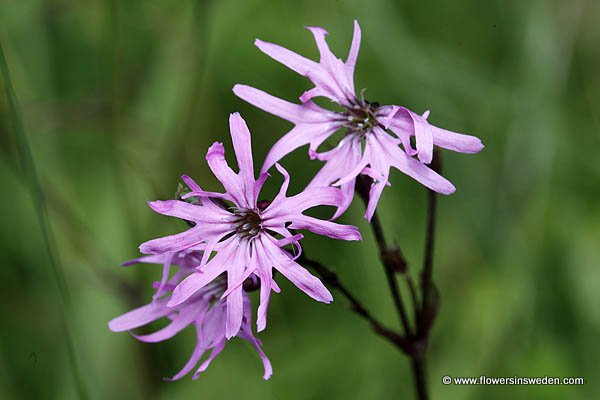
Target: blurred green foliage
[[121, 97]]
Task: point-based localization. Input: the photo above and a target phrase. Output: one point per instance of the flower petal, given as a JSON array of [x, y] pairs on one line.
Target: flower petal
[[296, 113], [456, 141], [214, 353], [268, 369], [288, 239], [246, 334], [151, 259], [189, 212], [281, 195], [172, 243], [326, 228], [198, 280], [243, 151], [353, 54], [308, 198], [237, 264], [312, 93], [202, 195], [299, 276], [263, 268], [287, 57], [333, 77], [379, 171], [374, 195], [229, 179], [300, 135], [424, 138], [412, 167], [305, 281], [339, 161], [165, 276], [140, 316], [351, 174], [406, 123], [182, 321], [196, 356], [234, 309], [242, 145]]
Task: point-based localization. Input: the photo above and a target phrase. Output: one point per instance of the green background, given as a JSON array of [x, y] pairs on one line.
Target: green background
[[119, 98]]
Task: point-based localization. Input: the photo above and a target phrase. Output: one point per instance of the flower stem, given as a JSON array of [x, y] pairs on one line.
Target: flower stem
[[392, 259], [429, 298], [331, 280], [420, 378], [394, 262]]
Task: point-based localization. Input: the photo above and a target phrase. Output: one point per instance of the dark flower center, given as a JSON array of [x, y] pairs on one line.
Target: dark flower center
[[361, 117], [248, 222]]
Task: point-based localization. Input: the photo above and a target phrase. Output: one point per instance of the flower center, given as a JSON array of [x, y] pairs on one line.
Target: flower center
[[248, 222], [361, 117]]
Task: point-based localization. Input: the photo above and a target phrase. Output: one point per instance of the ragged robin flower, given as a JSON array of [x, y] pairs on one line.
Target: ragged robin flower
[[243, 237], [205, 311], [377, 137]]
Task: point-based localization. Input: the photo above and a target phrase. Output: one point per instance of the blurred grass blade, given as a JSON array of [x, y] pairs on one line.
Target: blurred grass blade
[[28, 165]]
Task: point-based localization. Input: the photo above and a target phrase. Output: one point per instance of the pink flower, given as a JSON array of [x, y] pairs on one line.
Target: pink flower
[[247, 236], [205, 310], [367, 147]]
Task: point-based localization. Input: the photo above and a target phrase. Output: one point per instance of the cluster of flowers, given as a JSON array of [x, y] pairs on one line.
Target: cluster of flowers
[[235, 241]]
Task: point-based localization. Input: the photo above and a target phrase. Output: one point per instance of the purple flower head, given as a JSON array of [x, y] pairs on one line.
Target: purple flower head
[[205, 310], [367, 148], [247, 236]]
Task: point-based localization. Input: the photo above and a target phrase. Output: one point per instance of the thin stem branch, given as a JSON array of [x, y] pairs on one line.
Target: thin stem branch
[[427, 274], [331, 279], [413, 295], [429, 299], [392, 259]]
